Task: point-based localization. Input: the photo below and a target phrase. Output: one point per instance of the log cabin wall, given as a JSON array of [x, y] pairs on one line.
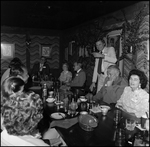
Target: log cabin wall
[[85, 34]]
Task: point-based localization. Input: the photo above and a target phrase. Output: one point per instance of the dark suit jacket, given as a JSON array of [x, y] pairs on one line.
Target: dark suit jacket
[[79, 79], [36, 69], [112, 93]]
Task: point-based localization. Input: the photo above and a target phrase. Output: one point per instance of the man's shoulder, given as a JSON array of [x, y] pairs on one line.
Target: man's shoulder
[[110, 48], [82, 72]]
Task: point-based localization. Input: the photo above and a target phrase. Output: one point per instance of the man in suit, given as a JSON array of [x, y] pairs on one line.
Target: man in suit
[[103, 59], [113, 86], [41, 67], [80, 76]]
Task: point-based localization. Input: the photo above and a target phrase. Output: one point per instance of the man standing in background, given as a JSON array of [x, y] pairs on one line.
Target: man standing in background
[[104, 58]]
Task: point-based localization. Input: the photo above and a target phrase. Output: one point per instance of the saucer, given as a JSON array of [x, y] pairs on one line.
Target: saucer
[[58, 102], [58, 115]]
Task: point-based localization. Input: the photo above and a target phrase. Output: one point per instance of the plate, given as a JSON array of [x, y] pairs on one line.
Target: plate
[[58, 102], [83, 112], [58, 115], [83, 99], [50, 100], [52, 134]]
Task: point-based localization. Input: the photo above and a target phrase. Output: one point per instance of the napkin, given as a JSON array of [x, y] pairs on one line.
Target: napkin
[[54, 137], [66, 123]]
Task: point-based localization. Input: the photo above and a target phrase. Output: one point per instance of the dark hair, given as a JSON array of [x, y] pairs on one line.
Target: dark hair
[[16, 70], [80, 61], [66, 64], [22, 112], [11, 85], [15, 61], [141, 75], [102, 40], [45, 60]]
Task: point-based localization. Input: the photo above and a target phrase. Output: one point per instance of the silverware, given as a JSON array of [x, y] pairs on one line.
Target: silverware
[[61, 115]]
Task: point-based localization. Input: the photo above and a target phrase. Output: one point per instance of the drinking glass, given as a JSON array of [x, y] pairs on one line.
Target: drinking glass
[[73, 106], [117, 117], [65, 100]]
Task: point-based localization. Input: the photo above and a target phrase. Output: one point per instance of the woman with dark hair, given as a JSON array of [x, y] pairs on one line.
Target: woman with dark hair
[[14, 61], [21, 113], [134, 98], [20, 71]]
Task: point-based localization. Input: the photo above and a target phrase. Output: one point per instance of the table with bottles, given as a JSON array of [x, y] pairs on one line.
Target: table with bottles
[[111, 129]]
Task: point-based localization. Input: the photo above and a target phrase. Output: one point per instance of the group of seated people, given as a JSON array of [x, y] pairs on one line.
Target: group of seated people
[[22, 110], [131, 97], [66, 76]]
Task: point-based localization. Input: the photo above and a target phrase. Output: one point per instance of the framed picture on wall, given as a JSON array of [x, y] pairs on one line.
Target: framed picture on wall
[[7, 50], [46, 50]]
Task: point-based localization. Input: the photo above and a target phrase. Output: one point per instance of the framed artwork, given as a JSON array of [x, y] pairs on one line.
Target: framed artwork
[[7, 50], [46, 50]]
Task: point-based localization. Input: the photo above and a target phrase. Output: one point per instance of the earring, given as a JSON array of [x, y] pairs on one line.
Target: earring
[[140, 86]]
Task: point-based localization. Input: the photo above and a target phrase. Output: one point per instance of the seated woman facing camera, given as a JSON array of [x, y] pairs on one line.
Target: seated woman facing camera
[[21, 113], [66, 75], [135, 99]]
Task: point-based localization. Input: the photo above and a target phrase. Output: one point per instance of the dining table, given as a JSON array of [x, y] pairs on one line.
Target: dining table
[[103, 135]]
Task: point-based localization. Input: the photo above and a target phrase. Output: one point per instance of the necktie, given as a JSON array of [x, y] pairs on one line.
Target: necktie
[[99, 66]]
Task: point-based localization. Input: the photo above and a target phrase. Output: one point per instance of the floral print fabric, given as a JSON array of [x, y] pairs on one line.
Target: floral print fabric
[[136, 102]]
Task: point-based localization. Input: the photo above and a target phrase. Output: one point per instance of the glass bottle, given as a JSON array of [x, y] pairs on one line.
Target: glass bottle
[[44, 94], [120, 137], [73, 106]]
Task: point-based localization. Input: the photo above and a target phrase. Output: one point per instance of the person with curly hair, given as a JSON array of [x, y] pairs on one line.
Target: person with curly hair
[[135, 100], [21, 112]]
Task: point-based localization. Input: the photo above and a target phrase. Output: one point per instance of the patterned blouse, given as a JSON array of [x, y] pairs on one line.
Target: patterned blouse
[[136, 102], [65, 76]]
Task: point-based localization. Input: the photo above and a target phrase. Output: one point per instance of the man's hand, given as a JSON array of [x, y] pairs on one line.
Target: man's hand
[[109, 83], [89, 96], [92, 86], [119, 106]]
